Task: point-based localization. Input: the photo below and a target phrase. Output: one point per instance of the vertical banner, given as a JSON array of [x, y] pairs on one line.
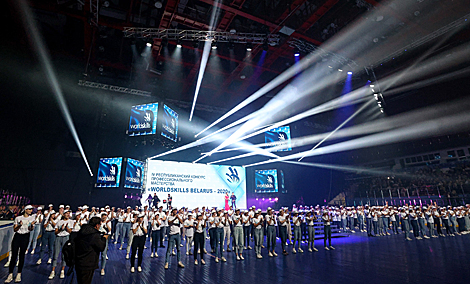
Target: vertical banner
[[134, 174], [266, 181], [278, 137], [109, 172], [169, 123], [143, 120]]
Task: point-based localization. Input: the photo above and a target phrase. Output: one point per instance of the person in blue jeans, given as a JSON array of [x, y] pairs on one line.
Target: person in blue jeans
[[174, 221], [219, 236], [48, 237]]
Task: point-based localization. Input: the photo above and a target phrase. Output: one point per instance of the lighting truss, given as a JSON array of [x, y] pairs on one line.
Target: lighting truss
[[112, 88], [310, 48], [94, 11], [437, 33], [195, 35]]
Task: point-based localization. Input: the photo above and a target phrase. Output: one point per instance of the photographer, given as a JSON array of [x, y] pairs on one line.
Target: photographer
[[88, 245]]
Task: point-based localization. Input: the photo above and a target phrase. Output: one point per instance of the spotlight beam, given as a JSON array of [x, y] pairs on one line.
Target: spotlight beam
[[205, 55], [44, 58], [433, 127], [340, 126]]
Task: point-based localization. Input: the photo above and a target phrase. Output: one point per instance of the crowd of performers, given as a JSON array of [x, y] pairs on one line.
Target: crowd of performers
[[229, 231]]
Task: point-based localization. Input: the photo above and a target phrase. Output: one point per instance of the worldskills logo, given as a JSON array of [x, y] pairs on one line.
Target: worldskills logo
[[147, 117], [269, 179], [137, 173], [233, 176], [281, 136], [107, 173]]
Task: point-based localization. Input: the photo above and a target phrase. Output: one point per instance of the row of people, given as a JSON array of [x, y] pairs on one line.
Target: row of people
[[220, 226]]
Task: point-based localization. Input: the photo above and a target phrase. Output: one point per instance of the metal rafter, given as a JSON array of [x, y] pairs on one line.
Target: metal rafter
[[302, 29]]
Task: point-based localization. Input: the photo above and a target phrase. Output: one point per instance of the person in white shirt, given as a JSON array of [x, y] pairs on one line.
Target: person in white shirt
[[189, 231], [246, 229], [105, 229], [133, 217], [119, 225], [257, 222], [126, 226], [33, 237], [22, 226], [76, 227], [282, 219], [48, 235], [62, 231], [212, 230], [219, 236], [310, 219], [227, 231], [326, 218], [430, 221], [156, 223], [237, 220], [199, 239], [271, 233], [405, 224], [139, 230], [174, 221], [296, 222]]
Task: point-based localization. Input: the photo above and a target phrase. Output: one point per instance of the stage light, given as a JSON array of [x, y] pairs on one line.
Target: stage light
[[349, 73], [249, 46], [371, 86], [179, 43], [340, 70], [214, 45], [149, 44], [276, 199]]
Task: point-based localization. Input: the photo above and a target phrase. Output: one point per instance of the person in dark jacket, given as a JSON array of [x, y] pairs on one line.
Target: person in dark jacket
[[89, 243]]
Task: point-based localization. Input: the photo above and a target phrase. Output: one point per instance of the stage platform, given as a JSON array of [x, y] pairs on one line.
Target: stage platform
[[357, 259]]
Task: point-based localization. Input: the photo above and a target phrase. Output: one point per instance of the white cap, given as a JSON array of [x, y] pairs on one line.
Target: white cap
[[259, 210], [269, 208], [39, 208], [67, 206], [28, 207], [128, 207], [85, 207], [61, 206], [50, 205]]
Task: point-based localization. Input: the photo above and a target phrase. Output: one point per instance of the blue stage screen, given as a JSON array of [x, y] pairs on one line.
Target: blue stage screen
[[143, 120], [109, 172], [169, 123], [278, 137], [134, 174], [266, 181]]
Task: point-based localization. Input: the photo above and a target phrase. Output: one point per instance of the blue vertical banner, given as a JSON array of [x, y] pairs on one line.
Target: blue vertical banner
[[134, 174], [278, 137], [169, 123], [109, 172], [266, 181], [143, 120]]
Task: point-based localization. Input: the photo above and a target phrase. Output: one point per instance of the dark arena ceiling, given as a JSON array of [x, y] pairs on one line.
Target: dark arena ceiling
[[89, 37]]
